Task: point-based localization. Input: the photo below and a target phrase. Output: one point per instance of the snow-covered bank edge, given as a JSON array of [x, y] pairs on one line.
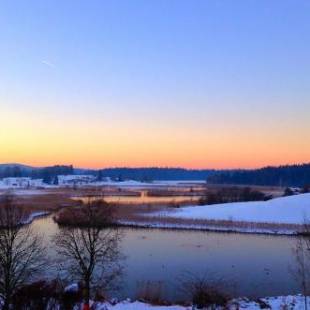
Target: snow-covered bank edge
[[280, 302], [210, 228], [278, 216], [33, 216]]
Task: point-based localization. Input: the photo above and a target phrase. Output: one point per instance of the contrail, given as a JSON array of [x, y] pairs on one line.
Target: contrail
[[47, 63]]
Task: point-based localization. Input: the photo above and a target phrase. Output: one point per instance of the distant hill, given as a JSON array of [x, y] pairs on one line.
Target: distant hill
[[11, 165], [290, 175], [18, 170]]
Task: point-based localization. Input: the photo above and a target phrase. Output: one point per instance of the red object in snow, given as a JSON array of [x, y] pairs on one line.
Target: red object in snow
[[86, 307]]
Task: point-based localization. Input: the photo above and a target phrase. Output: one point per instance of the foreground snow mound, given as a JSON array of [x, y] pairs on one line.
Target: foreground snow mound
[[284, 210], [275, 303], [137, 306]]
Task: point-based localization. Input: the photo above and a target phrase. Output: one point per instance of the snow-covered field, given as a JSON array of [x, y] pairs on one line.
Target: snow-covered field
[[142, 185], [127, 305], [87, 180], [275, 303], [11, 183], [284, 210]]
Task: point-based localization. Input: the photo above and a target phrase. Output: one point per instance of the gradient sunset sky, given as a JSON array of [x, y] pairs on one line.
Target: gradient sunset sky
[[198, 84]]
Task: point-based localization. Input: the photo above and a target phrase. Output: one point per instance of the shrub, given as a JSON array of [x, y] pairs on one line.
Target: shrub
[[288, 192], [151, 292], [233, 194], [101, 213], [45, 295], [204, 293]]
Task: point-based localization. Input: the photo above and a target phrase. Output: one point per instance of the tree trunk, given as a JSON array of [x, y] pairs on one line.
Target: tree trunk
[[6, 305], [86, 295]]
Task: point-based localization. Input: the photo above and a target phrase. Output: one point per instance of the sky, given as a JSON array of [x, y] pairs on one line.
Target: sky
[[195, 84]]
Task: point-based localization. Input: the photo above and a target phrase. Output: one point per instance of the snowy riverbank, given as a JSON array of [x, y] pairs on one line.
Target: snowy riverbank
[[245, 228], [284, 215], [284, 210], [34, 215], [276, 303]]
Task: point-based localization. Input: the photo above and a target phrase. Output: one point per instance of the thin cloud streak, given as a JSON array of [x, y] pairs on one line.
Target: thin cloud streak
[[48, 63]]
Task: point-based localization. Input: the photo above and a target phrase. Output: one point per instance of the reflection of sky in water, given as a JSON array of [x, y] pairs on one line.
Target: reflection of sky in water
[[249, 264], [144, 199]]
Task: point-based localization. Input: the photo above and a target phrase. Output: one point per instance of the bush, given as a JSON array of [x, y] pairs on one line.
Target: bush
[[45, 295], [100, 212], [207, 296], [288, 192], [151, 292], [204, 293], [233, 194]]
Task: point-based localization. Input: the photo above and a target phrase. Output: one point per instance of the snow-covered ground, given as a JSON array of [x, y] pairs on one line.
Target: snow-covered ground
[[12, 183], [127, 305], [141, 185], [274, 303], [34, 215], [75, 179], [251, 229], [285, 210], [87, 180]]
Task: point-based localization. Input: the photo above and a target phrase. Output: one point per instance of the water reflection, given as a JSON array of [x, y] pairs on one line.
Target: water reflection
[[252, 265], [144, 198]]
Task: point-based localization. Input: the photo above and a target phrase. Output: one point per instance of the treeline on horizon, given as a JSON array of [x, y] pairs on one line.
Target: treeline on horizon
[[289, 175], [119, 174], [151, 174], [45, 173]]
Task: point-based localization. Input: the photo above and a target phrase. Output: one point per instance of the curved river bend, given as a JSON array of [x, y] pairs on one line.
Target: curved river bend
[[250, 265]]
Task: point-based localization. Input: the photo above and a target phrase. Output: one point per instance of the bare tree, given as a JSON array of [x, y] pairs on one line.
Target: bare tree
[[88, 246], [301, 269], [21, 250]]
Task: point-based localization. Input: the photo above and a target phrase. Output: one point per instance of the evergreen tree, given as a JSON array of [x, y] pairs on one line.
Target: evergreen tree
[[47, 179], [99, 175], [56, 180], [288, 192]]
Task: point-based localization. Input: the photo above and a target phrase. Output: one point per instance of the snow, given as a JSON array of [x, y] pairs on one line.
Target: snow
[[127, 305], [276, 303], [75, 179], [74, 287], [280, 302], [144, 185], [285, 210], [12, 183], [29, 192], [89, 180], [34, 215], [208, 227]]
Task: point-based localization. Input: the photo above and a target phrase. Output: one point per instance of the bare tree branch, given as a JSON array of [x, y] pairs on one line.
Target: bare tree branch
[[21, 251], [89, 250]]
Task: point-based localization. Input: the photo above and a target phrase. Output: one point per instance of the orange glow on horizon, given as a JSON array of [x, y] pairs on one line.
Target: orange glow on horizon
[[41, 142]]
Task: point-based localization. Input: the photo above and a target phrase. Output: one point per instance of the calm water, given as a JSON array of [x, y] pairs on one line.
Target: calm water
[[145, 199], [251, 265]]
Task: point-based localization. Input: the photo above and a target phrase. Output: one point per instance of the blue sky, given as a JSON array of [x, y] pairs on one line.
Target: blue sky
[[208, 68]]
